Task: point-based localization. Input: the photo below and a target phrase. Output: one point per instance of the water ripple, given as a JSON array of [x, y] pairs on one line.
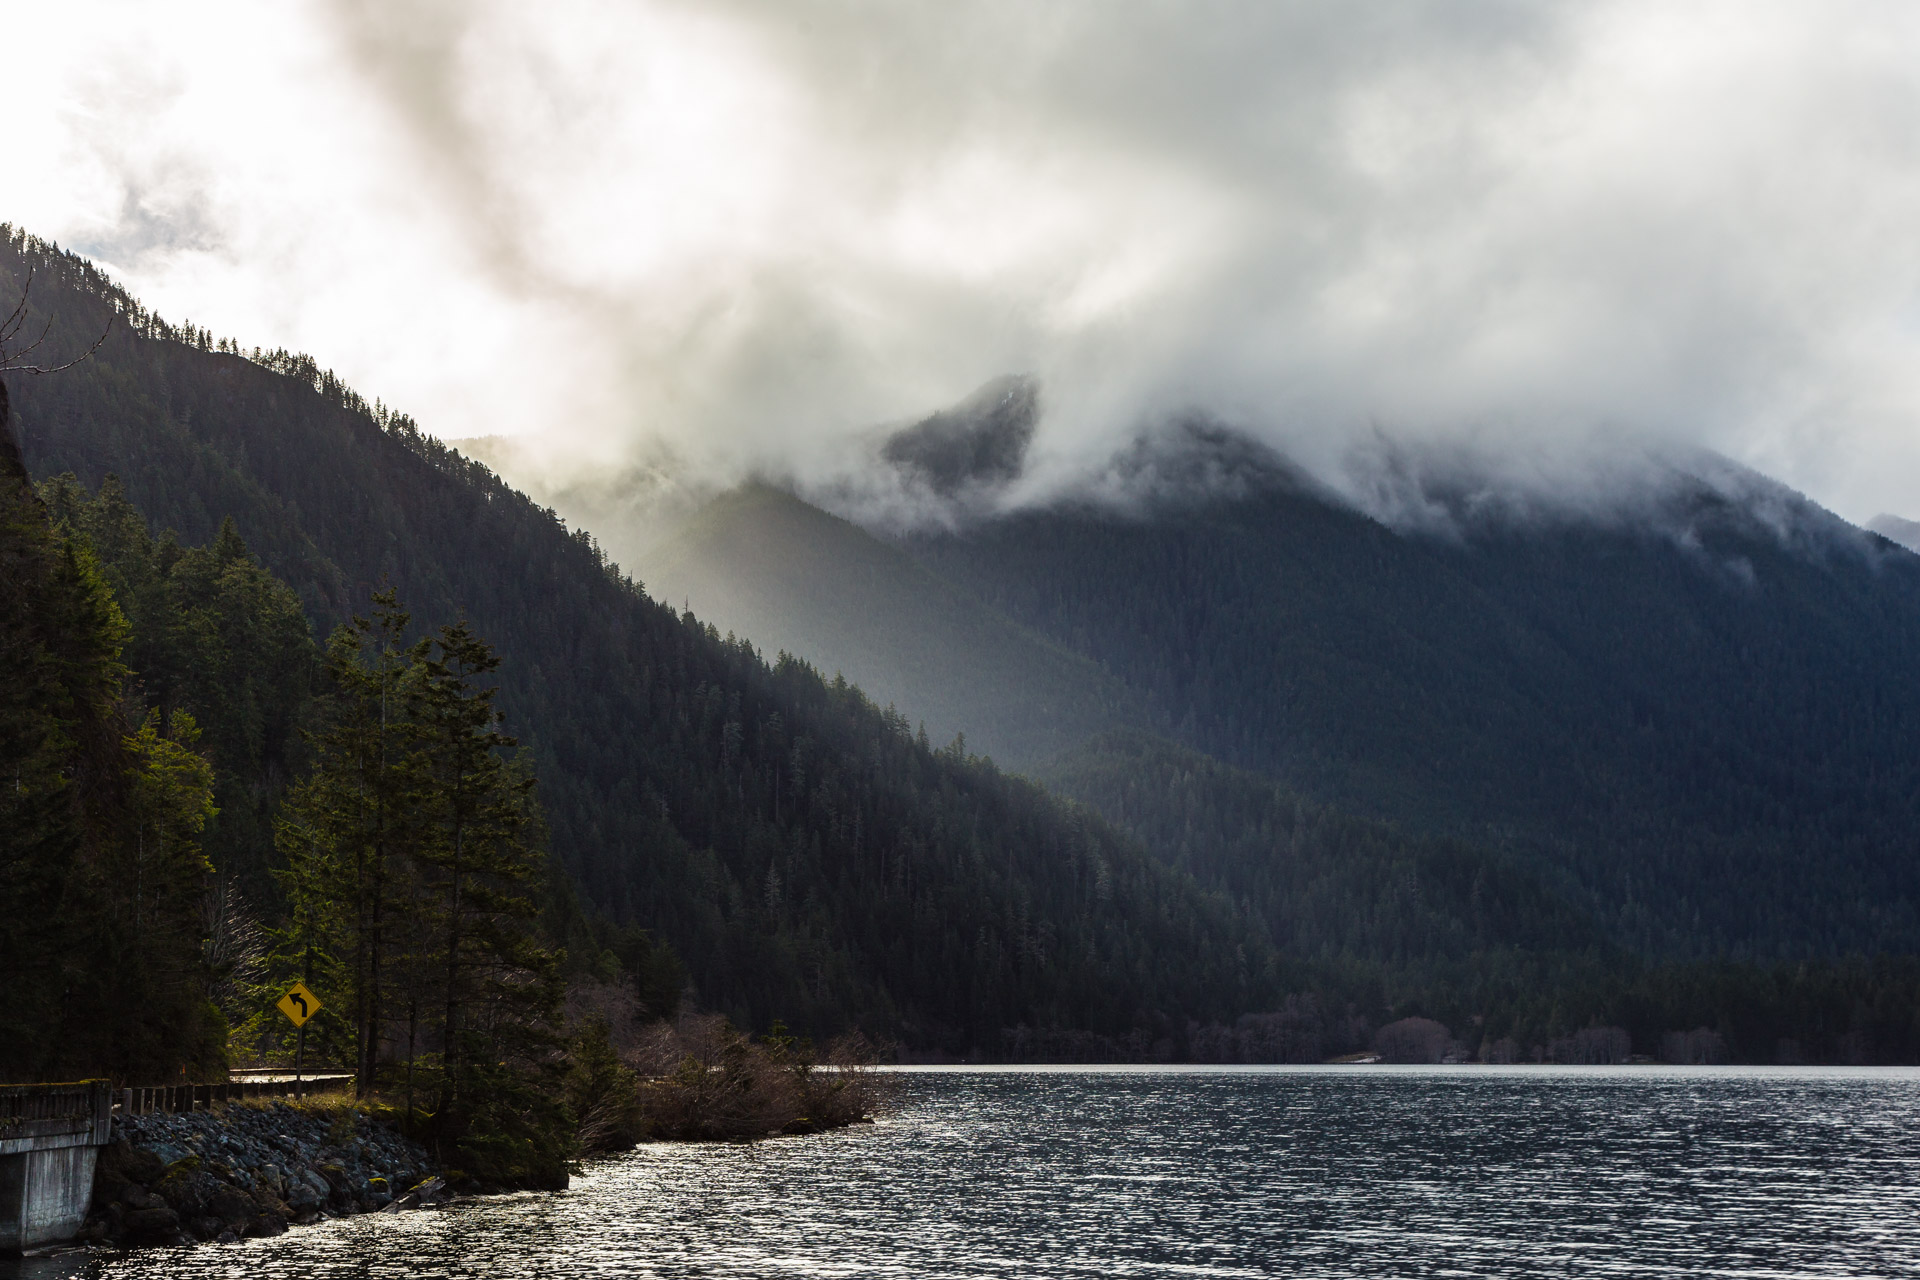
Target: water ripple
[[1283, 1172]]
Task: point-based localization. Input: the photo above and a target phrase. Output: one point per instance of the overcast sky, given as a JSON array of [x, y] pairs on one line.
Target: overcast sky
[[742, 233]]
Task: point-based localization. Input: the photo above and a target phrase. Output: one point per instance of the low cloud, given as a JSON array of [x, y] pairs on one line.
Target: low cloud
[[745, 236]]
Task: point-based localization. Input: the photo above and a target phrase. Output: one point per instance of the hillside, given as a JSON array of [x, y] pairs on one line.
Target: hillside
[[1486, 774], [1691, 716], [1699, 718], [806, 855], [759, 562], [1343, 893]]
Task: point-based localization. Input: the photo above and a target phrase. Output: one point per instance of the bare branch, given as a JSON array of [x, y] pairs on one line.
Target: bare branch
[[9, 367], [11, 325], [8, 357]]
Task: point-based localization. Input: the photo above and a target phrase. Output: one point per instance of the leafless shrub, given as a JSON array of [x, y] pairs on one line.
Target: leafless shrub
[[728, 1086], [1301, 1030], [1503, 1051], [657, 1051], [1698, 1047], [859, 1090], [1412, 1040]]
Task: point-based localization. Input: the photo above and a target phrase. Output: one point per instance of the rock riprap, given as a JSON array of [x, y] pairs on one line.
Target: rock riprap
[[243, 1171]]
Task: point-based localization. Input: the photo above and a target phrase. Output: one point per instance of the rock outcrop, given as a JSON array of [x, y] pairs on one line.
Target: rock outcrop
[[244, 1171]]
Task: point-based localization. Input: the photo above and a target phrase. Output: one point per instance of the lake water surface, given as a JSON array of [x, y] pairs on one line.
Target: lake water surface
[[1367, 1171]]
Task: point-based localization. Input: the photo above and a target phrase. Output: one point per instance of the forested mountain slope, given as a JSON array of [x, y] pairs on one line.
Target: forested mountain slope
[[1344, 893], [1701, 718], [807, 856], [1696, 729], [1695, 715], [760, 562]]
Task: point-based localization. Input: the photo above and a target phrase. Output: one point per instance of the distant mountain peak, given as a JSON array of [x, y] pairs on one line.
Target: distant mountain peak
[[979, 444], [1897, 529]]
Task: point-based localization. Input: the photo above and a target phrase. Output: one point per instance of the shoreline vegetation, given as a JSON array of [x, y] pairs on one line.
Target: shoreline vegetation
[[249, 1169], [697, 1078]]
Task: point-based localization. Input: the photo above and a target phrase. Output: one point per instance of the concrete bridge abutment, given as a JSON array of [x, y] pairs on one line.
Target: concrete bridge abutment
[[50, 1138]]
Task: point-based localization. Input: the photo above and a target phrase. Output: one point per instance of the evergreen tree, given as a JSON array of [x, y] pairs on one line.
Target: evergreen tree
[[152, 886], [60, 641], [101, 868], [350, 825], [484, 846], [210, 630], [414, 860]]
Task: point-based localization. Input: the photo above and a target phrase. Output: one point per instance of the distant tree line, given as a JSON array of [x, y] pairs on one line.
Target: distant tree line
[[804, 855]]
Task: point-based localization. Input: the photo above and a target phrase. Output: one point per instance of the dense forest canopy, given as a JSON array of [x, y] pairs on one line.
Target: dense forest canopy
[[102, 870], [1700, 719]]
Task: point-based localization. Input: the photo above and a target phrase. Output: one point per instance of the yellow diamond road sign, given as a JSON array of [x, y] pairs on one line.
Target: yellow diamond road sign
[[299, 1004]]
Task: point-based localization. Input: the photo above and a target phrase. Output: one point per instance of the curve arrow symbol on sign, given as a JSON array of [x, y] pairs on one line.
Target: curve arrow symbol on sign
[[300, 1000]]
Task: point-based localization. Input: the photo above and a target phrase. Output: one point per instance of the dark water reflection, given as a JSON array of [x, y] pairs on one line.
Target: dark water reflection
[[1308, 1172]]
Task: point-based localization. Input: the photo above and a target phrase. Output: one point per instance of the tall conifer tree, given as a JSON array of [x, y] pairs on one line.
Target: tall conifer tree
[[349, 826], [414, 854]]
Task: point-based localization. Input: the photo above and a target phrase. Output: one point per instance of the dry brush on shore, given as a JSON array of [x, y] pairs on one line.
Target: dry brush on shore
[[699, 1078]]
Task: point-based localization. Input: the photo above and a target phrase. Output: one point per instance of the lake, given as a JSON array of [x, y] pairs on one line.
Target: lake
[[1286, 1171]]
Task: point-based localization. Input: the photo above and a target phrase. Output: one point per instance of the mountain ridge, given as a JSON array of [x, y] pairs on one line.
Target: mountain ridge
[[1626, 707], [808, 857], [1685, 783], [1686, 711], [914, 640]]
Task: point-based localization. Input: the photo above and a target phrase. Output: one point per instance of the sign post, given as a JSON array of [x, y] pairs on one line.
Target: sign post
[[299, 1004]]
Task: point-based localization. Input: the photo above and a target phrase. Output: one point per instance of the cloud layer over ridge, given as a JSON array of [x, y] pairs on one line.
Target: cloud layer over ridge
[[738, 234]]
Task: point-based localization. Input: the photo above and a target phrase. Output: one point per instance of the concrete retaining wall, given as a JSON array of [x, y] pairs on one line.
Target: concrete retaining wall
[[44, 1196], [50, 1136]]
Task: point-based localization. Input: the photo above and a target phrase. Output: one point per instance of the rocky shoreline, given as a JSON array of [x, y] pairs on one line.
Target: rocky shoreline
[[243, 1171]]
